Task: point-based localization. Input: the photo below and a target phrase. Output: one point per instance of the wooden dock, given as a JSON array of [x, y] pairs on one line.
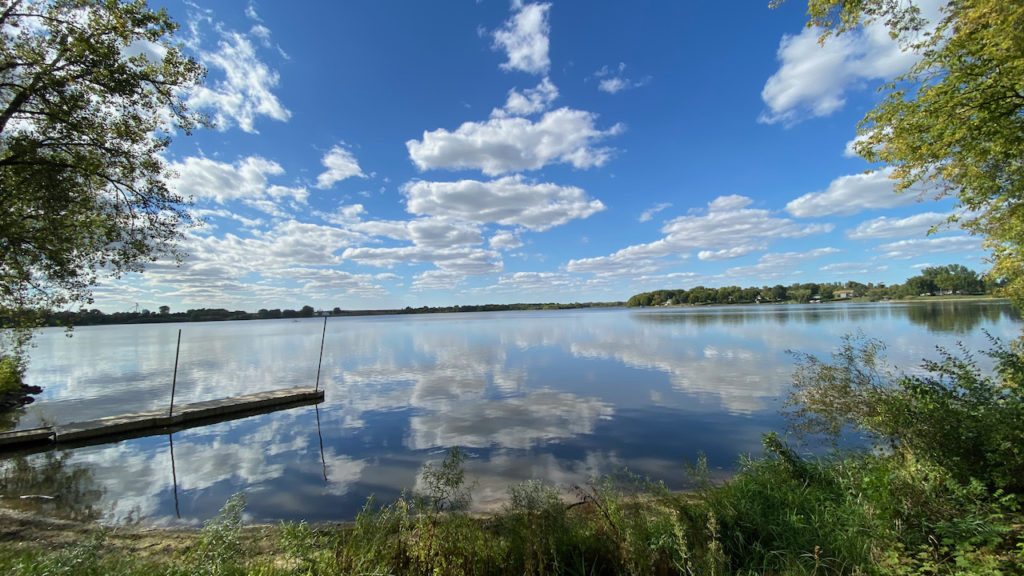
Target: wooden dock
[[152, 422]]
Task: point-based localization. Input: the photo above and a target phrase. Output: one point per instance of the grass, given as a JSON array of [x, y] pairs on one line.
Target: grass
[[781, 514]]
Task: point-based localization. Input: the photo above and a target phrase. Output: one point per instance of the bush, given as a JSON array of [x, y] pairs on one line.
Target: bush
[[954, 416], [11, 374]]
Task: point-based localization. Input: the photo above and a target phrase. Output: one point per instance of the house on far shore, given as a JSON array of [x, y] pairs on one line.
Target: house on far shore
[[842, 294]]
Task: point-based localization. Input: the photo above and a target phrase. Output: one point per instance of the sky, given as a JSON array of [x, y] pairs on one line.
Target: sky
[[408, 153]]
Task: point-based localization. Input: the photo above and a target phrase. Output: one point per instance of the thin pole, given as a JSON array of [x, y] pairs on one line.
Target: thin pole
[[174, 381], [174, 475], [320, 363], [320, 434]]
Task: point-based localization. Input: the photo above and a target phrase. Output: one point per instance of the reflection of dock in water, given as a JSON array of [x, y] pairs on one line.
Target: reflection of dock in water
[[153, 422]]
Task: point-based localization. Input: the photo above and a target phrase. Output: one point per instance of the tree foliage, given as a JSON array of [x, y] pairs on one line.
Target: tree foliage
[[952, 413], [951, 278], [953, 124], [90, 91]]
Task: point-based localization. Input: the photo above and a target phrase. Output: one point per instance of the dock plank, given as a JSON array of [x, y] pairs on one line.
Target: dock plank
[[155, 421]]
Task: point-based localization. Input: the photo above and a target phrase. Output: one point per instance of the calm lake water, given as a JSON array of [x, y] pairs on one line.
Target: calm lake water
[[562, 396]]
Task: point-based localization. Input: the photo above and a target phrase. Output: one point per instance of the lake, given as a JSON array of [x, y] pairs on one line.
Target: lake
[[562, 396]]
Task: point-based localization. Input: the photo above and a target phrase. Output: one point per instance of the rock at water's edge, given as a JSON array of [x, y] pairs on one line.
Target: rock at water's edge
[[19, 397]]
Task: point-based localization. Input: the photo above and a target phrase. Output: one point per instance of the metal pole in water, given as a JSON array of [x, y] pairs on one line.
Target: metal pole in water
[[322, 338], [174, 380], [174, 475]]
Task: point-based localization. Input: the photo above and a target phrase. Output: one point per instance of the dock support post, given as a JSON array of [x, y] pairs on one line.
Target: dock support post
[[174, 380], [320, 363]]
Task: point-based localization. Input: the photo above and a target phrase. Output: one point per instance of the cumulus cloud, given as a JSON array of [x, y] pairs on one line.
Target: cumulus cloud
[[536, 282], [883, 227], [434, 233], [505, 240], [340, 164], [918, 247], [729, 229], [503, 145], [529, 101], [246, 179], [524, 39], [254, 267], [245, 90], [778, 265], [510, 201], [462, 258], [852, 194], [813, 78]]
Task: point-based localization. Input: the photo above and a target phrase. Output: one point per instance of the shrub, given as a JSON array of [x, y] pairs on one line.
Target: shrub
[[954, 416], [11, 373]]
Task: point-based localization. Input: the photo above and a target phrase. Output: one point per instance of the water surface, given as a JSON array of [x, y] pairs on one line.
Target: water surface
[[561, 396]]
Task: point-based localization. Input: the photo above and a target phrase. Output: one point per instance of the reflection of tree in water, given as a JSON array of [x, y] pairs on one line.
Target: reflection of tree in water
[[49, 485], [9, 418], [943, 316], [958, 317]]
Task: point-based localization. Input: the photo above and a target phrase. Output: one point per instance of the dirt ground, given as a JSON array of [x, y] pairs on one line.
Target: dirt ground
[[29, 529], [19, 528]]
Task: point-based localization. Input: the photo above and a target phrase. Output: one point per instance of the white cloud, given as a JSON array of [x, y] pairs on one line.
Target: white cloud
[[245, 180], [728, 253], [648, 214], [340, 164], [330, 282], [244, 92], [503, 145], [524, 39], [917, 247], [858, 268], [505, 240], [852, 194], [250, 12], [437, 280], [435, 233], [292, 251], [536, 282], [884, 227], [614, 82], [778, 265], [813, 78], [529, 101], [730, 228], [509, 201], [463, 258], [427, 233], [207, 214]]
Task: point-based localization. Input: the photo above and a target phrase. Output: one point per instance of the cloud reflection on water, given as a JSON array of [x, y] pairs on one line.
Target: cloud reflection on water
[[559, 396]]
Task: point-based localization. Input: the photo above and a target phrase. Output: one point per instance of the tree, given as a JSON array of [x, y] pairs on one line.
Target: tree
[[90, 91], [779, 293], [954, 124], [920, 285]]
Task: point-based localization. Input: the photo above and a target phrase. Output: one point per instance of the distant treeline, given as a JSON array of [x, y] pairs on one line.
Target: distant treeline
[[163, 314], [937, 280]]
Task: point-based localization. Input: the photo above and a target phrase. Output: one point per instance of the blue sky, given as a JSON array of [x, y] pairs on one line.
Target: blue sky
[[409, 153]]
